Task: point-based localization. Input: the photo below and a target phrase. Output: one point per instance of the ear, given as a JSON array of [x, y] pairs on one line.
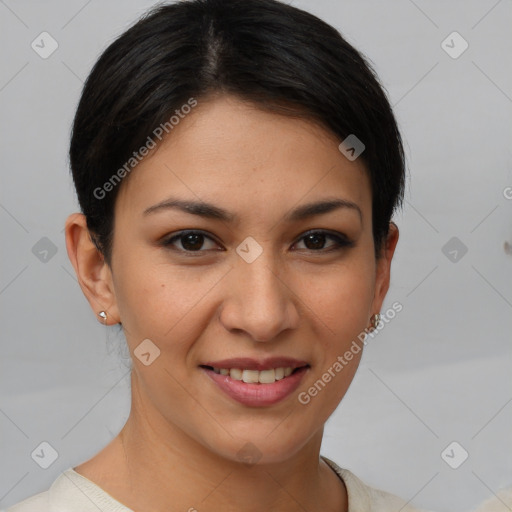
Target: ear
[[383, 270], [93, 274]]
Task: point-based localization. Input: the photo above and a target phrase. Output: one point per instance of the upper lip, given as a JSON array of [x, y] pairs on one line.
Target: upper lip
[[248, 363]]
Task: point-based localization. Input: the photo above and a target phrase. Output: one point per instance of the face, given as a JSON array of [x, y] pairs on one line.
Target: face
[[257, 282]]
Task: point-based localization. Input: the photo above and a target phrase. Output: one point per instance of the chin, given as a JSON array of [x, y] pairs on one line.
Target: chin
[[265, 448]]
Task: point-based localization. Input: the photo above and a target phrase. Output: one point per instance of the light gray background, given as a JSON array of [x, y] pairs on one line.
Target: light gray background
[[439, 372]]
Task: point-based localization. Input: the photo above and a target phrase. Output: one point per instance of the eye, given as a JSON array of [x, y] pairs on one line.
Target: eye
[[191, 241], [315, 241], [194, 241]]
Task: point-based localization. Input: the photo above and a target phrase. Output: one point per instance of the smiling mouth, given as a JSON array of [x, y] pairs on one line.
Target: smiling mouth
[[256, 376]]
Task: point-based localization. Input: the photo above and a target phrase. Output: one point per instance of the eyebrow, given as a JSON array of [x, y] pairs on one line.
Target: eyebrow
[[211, 211]]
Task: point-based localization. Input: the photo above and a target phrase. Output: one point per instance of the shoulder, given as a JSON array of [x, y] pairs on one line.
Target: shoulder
[[364, 497], [37, 503], [70, 492]]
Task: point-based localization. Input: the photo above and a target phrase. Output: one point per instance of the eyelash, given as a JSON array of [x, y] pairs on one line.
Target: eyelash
[[341, 242]]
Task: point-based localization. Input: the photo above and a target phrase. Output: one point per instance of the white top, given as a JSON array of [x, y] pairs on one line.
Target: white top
[[73, 492]]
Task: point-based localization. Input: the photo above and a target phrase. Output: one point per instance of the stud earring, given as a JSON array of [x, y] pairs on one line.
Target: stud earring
[[375, 320], [103, 316]]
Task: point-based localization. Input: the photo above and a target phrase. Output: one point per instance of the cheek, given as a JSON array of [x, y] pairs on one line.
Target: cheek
[[340, 299], [339, 305], [142, 300], [161, 302]]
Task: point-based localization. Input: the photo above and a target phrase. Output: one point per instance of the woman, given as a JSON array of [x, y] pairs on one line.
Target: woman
[[237, 165]]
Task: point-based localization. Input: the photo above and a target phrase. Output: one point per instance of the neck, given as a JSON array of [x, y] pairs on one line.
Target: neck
[[158, 467]]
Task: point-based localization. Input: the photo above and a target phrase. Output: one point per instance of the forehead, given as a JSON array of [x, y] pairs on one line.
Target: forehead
[[232, 153]]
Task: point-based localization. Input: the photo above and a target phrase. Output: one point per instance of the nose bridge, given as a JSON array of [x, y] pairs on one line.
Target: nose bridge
[[261, 304], [259, 276]]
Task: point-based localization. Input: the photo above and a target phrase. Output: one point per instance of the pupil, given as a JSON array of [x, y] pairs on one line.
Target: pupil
[[318, 240], [192, 241]]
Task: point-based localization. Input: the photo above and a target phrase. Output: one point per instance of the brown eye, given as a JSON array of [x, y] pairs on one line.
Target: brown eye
[[315, 241], [190, 241]]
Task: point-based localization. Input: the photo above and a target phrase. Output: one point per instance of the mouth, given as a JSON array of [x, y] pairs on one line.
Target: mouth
[[256, 384], [256, 376]]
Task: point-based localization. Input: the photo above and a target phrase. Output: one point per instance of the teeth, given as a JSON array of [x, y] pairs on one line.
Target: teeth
[[267, 376], [250, 376], [235, 373], [255, 376]]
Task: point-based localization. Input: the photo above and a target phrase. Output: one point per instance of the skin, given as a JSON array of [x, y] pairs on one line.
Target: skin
[[178, 448]]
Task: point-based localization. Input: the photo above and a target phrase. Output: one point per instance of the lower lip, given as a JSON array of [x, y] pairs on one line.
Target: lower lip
[[257, 395]]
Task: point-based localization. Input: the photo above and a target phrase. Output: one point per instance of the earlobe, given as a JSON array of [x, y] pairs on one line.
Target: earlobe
[[93, 274]]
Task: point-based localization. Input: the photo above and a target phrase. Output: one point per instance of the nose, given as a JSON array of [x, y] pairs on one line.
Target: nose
[[259, 300]]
